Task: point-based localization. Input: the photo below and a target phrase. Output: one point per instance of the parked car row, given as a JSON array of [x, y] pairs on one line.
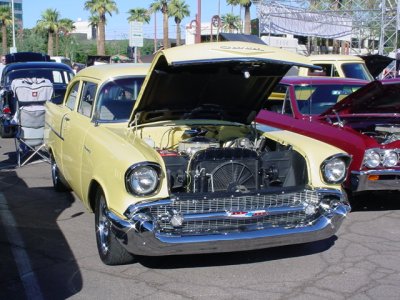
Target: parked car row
[[28, 65], [211, 148]]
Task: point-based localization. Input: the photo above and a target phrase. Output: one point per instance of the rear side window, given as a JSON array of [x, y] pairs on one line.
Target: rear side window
[[73, 93], [87, 98]]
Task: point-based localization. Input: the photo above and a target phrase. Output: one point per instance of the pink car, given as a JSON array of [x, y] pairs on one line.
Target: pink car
[[360, 117]]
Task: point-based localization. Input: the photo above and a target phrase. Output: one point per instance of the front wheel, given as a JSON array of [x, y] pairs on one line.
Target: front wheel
[[110, 250], [58, 183]]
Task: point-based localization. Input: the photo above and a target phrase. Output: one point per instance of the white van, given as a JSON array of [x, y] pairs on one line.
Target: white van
[[62, 59]]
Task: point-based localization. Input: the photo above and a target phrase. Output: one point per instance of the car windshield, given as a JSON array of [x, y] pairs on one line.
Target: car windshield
[[315, 99], [54, 75], [356, 70], [117, 98]]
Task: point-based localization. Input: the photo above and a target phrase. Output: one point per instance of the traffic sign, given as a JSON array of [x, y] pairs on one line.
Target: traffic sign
[[136, 34]]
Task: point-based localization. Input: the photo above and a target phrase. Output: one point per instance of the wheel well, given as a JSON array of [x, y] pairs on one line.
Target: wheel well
[[94, 186], [50, 150]]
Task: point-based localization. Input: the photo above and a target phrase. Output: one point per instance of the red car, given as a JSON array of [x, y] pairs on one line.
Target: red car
[[360, 117]]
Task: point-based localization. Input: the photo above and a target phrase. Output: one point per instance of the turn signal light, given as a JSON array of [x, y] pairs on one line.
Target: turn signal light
[[373, 177]]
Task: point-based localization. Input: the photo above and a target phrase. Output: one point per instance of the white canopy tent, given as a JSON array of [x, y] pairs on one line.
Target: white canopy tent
[[280, 19]]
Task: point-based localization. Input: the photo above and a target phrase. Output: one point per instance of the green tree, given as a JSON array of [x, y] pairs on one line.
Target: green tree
[[31, 40], [246, 4], [162, 6], [101, 8], [5, 20], [178, 9], [49, 24], [230, 22], [64, 28], [139, 15]]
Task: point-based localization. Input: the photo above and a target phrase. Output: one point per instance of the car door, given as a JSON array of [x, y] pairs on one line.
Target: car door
[[77, 123]]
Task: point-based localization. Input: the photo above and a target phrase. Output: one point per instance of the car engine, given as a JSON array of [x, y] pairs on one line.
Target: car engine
[[201, 164]]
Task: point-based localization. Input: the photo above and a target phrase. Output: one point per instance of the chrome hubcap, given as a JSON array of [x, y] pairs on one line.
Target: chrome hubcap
[[54, 174], [103, 228]]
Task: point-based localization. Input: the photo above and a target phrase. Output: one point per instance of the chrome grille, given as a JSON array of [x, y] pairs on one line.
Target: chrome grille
[[187, 206], [232, 225]]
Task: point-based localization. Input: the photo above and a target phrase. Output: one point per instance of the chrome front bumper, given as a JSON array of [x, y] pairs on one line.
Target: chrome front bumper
[[388, 180], [141, 235]]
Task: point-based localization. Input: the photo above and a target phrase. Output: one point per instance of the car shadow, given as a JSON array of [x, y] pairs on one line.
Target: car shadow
[[375, 201], [34, 252], [236, 258]]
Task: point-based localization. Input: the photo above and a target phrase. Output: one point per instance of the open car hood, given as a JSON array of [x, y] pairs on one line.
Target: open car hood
[[376, 63], [375, 97], [226, 81]]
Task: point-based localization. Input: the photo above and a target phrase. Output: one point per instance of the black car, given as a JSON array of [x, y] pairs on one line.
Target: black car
[[58, 73]]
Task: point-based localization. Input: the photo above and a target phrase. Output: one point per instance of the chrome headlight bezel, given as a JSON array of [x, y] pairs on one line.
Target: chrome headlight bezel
[[334, 168], [372, 159], [390, 158], [143, 179]]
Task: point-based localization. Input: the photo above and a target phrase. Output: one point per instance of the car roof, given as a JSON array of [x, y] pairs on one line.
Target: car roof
[[36, 64], [107, 71], [296, 80], [335, 57]]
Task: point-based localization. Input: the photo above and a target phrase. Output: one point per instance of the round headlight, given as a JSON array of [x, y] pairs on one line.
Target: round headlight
[[390, 159], [371, 159], [334, 170], [143, 179]]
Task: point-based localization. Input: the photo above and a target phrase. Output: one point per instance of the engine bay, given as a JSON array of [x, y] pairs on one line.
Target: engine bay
[[384, 130], [215, 159]]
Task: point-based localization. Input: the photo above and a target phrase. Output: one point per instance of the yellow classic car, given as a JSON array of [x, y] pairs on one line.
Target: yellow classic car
[[338, 65], [185, 170]]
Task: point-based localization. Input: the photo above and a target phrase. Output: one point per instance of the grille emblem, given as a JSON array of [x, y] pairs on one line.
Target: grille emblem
[[247, 214]]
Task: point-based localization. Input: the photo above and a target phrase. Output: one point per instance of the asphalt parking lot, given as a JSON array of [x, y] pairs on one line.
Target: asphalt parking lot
[[48, 251]]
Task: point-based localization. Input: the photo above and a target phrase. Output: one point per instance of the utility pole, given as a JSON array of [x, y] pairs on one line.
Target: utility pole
[[198, 23]]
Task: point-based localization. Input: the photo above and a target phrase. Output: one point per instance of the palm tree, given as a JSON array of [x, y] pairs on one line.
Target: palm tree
[[179, 10], [5, 20], [49, 23], [230, 22], [94, 23], [247, 20], [65, 26], [162, 6], [101, 8], [139, 15]]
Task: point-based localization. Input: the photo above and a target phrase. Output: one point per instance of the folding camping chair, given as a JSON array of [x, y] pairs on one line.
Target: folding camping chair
[[31, 95]]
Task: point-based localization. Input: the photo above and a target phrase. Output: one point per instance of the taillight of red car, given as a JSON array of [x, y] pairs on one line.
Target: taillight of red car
[[6, 110]]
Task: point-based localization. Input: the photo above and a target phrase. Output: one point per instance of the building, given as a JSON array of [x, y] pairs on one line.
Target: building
[[84, 27], [19, 24]]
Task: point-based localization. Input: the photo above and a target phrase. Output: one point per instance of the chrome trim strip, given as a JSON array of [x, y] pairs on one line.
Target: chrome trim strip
[[359, 181], [269, 211], [55, 132], [145, 242], [377, 172]]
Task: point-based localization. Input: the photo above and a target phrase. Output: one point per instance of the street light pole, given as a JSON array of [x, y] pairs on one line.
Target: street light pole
[[14, 48]]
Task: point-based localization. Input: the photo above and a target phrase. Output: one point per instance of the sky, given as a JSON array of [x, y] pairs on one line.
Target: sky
[[117, 24]]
